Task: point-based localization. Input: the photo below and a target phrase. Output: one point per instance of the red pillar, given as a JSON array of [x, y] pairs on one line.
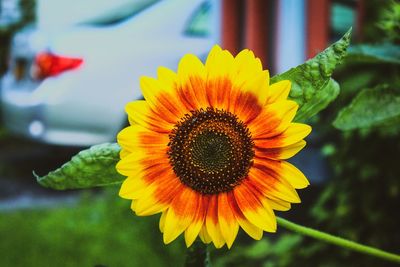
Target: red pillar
[[256, 23], [317, 26], [360, 19], [230, 36]]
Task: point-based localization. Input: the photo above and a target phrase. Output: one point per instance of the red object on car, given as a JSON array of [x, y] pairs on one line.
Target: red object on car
[[48, 64]]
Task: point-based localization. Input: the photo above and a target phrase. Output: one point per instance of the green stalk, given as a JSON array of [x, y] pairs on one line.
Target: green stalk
[[338, 240], [198, 255]]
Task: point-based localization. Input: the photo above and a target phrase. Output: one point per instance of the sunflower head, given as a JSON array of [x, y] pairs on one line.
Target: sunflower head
[[207, 149], [211, 151]]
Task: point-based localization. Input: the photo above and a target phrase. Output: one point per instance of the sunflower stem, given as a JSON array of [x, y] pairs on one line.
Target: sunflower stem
[[198, 255], [338, 240]]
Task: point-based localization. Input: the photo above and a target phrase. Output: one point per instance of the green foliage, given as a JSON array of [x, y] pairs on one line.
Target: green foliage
[[364, 191], [320, 101], [311, 81], [370, 66], [390, 21], [89, 168], [265, 252], [360, 200], [97, 230], [370, 108], [3, 133], [198, 255]]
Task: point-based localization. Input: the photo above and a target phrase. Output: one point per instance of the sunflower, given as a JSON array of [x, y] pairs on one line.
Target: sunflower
[[207, 149]]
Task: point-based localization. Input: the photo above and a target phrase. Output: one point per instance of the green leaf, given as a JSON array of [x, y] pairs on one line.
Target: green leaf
[[382, 53], [310, 79], [320, 101], [356, 79], [370, 108], [89, 168]]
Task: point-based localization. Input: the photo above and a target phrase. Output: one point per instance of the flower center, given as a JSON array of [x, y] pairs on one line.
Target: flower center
[[211, 150]]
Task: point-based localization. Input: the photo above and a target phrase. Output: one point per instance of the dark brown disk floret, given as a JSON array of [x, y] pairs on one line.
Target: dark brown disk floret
[[211, 150]]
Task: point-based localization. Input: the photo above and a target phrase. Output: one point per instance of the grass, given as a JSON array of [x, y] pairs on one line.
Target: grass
[[3, 132], [98, 231]]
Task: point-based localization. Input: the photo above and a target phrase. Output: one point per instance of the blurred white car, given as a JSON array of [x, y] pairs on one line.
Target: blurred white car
[[70, 86]]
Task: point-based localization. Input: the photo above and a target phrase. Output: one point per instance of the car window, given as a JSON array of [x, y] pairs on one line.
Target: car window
[[121, 14], [199, 24], [58, 14], [343, 16]]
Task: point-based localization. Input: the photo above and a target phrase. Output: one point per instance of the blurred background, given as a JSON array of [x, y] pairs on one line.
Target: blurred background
[[68, 68]]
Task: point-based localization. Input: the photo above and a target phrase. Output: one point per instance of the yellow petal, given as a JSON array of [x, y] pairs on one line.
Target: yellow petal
[[190, 65], [139, 112], [249, 76], [132, 188], [148, 205], [248, 227], [162, 100], [123, 153], [204, 236], [213, 228], [219, 63], [167, 77], [133, 205], [228, 224], [246, 66], [158, 195], [283, 190], [293, 175], [180, 214], [278, 91], [272, 185], [131, 165], [194, 228], [294, 133], [273, 120], [289, 151], [277, 204], [214, 52], [257, 212], [280, 152], [192, 232], [280, 170], [258, 86], [162, 221], [136, 137], [192, 86], [252, 230]]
